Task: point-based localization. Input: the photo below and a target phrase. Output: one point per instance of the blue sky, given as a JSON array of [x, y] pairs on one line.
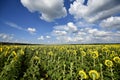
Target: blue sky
[[60, 21]]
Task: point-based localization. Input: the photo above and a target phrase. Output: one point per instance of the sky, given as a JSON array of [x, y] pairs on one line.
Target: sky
[[60, 21]]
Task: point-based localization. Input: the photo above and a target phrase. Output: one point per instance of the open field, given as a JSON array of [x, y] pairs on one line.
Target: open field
[[60, 62]]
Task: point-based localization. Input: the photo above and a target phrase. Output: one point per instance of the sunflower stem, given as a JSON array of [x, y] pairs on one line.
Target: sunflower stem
[[93, 77], [112, 73], [71, 69], [82, 60], [101, 72], [64, 72], [94, 62]]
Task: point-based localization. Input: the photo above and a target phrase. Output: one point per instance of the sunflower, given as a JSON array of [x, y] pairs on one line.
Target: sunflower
[[108, 63], [81, 49], [15, 58], [36, 58], [82, 74], [94, 54], [50, 53], [21, 52], [104, 49], [1, 49], [94, 74], [74, 52], [14, 53], [5, 54], [83, 53], [116, 59]]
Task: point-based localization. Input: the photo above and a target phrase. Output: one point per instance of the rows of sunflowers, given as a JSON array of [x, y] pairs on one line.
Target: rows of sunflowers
[[60, 62]]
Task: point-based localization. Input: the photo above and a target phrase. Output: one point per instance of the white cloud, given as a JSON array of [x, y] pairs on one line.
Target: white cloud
[[95, 10], [93, 35], [41, 38], [6, 37], [11, 24], [31, 30], [84, 24], [49, 9], [111, 23], [69, 27], [59, 33], [48, 37], [84, 34]]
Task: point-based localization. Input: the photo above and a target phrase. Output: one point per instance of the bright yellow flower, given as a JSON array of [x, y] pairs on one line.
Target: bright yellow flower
[[94, 74], [5, 54], [108, 63], [74, 52], [36, 58], [1, 49], [116, 59], [21, 52], [67, 51], [83, 53], [104, 49], [15, 57], [108, 51], [94, 54], [50, 53], [14, 53], [82, 74], [81, 49], [113, 52]]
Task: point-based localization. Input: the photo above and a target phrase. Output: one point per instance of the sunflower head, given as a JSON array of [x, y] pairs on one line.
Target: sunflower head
[[82, 74], [21, 52], [14, 53], [74, 52], [94, 74], [1, 49], [108, 63], [50, 53], [36, 58], [6, 53], [101, 64], [83, 53], [68, 51], [104, 49], [81, 49], [94, 54], [116, 59]]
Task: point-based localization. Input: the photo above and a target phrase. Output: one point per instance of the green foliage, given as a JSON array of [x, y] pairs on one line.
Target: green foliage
[[57, 62]]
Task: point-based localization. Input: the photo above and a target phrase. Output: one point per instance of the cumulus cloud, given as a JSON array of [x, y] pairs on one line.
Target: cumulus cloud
[[49, 9], [86, 34], [69, 27], [41, 38], [95, 10], [59, 33], [111, 23], [6, 37], [48, 37], [31, 30], [94, 35]]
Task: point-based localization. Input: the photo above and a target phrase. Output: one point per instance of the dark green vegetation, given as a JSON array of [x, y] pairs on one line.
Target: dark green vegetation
[[58, 62]]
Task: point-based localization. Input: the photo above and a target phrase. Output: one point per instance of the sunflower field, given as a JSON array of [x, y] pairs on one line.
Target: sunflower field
[[60, 62]]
